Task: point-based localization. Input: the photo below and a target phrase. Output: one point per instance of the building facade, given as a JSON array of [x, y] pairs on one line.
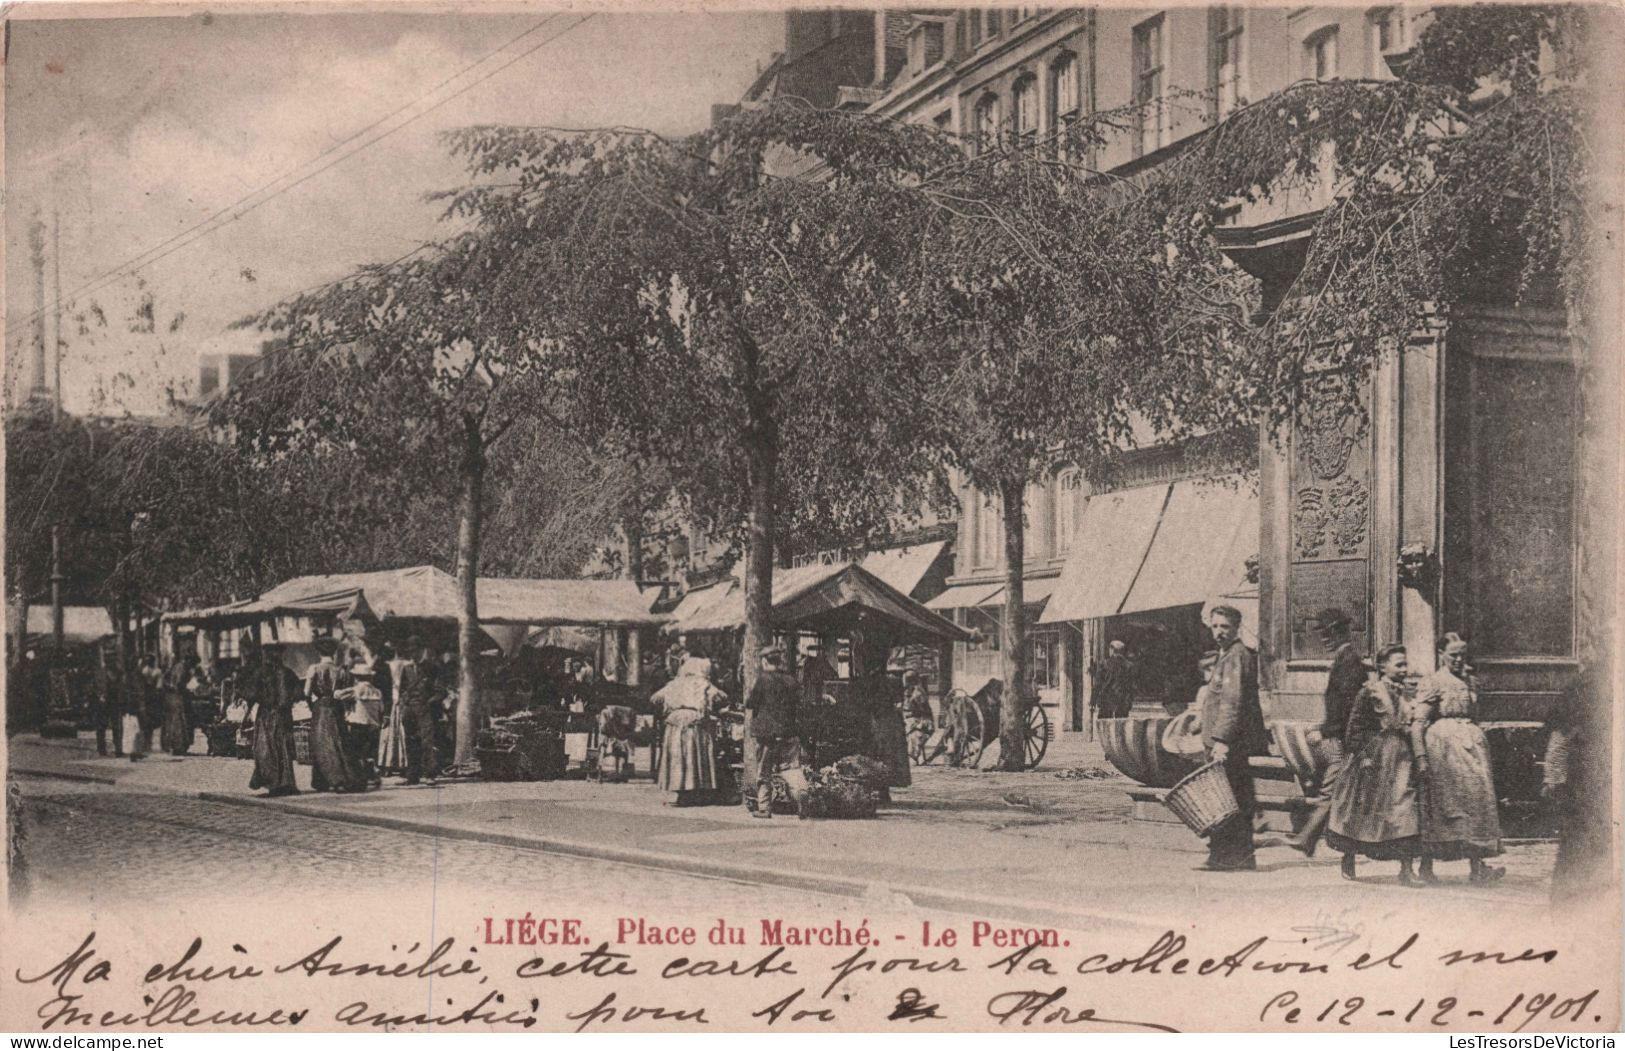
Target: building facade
[[1456, 507]]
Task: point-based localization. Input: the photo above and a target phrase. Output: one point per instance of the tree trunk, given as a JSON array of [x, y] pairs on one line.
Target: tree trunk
[[632, 531], [763, 458], [1013, 632], [472, 469]]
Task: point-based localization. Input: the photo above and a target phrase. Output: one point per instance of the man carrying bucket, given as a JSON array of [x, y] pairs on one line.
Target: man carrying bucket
[[1233, 731]]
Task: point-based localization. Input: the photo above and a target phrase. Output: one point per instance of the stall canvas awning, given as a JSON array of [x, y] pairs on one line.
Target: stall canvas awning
[[809, 598], [1193, 550], [904, 567], [80, 624], [1033, 592], [544, 603], [1110, 544]]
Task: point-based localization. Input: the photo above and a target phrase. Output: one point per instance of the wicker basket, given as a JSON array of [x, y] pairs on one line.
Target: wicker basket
[[1203, 800]]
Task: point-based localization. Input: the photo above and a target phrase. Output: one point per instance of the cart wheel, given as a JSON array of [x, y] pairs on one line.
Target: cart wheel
[[1037, 735]]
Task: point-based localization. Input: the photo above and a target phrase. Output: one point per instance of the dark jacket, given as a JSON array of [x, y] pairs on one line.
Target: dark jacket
[[1343, 685], [1231, 712], [772, 704], [420, 684]]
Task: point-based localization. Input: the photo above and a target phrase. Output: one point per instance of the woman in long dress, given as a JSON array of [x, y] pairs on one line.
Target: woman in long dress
[[332, 768], [176, 735], [1374, 805], [888, 735], [274, 691], [392, 741], [688, 763], [1459, 818]]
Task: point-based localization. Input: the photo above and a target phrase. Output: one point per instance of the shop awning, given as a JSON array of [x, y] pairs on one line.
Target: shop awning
[[965, 596], [1158, 547], [1033, 592], [832, 598], [1110, 544], [904, 567]]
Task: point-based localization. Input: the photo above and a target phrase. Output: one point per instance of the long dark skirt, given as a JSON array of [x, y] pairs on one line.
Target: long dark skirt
[[1374, 805], [273, 752], [176, 736], [890, 740], [331, 767]]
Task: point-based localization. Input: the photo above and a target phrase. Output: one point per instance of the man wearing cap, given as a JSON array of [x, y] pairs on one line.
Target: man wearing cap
[[1233, 731], [1114, 693], [772, 707], [1348, 674]]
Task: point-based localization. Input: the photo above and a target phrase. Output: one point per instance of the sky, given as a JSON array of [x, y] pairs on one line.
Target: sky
[[131, 131]]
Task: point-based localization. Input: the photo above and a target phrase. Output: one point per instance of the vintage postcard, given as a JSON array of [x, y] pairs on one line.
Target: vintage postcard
[[820, 519]]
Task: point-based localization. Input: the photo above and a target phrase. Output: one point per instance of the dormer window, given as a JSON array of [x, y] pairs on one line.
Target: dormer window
[[1025, 98]]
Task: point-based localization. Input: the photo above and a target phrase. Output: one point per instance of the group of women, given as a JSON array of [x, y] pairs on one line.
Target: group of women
[[1416, 782], [694, 707]]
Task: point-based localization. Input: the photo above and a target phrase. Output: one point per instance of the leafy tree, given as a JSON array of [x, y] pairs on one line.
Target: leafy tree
[[423, 366], [718, 302]]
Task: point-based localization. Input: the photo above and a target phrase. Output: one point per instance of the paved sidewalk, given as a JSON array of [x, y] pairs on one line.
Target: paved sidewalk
[[1033, 845]]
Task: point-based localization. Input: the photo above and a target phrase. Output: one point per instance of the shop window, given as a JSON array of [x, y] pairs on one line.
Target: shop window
[[1510, 490], [1044, 659], [1150, 115], [226, 645], [1225, 25]]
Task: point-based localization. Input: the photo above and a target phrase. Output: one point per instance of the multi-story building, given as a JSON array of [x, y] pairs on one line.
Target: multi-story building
[[1467, 461]]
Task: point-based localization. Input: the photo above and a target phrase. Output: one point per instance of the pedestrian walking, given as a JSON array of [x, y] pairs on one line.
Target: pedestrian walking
[[176, 735], [1374, 805], [332, 767], [273, 689], [1348, 674], [688, 703], [1233, 731], [419, 692], [1459, 815], [392, 739], [771, 705]]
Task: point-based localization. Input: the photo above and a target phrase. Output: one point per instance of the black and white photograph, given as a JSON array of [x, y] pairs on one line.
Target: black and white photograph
[[754, 519]]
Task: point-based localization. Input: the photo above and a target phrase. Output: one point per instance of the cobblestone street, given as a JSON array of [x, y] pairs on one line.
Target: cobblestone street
[[90, 844]]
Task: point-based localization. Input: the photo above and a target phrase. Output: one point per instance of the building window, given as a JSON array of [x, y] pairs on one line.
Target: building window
[[995, 21], [1025, 99], [1151, 120], [1386, 28], [975, 29], [1225, 25], [1024, 13], [989, 537], [1064, 105], [1044, 659], [1512, 429], [987, 123], [1068, 497], [1320, 55], [1034, 522]]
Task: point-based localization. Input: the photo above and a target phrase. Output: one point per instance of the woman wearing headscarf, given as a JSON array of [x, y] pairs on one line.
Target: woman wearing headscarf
[[332, 768], [176, 735], [1459, 818], [273, 691], [688, 765], [1374, 805]]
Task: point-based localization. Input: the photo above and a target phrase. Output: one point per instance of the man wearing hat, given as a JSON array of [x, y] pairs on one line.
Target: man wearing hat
[[1348, 674], [420, 689], [772, 707]]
